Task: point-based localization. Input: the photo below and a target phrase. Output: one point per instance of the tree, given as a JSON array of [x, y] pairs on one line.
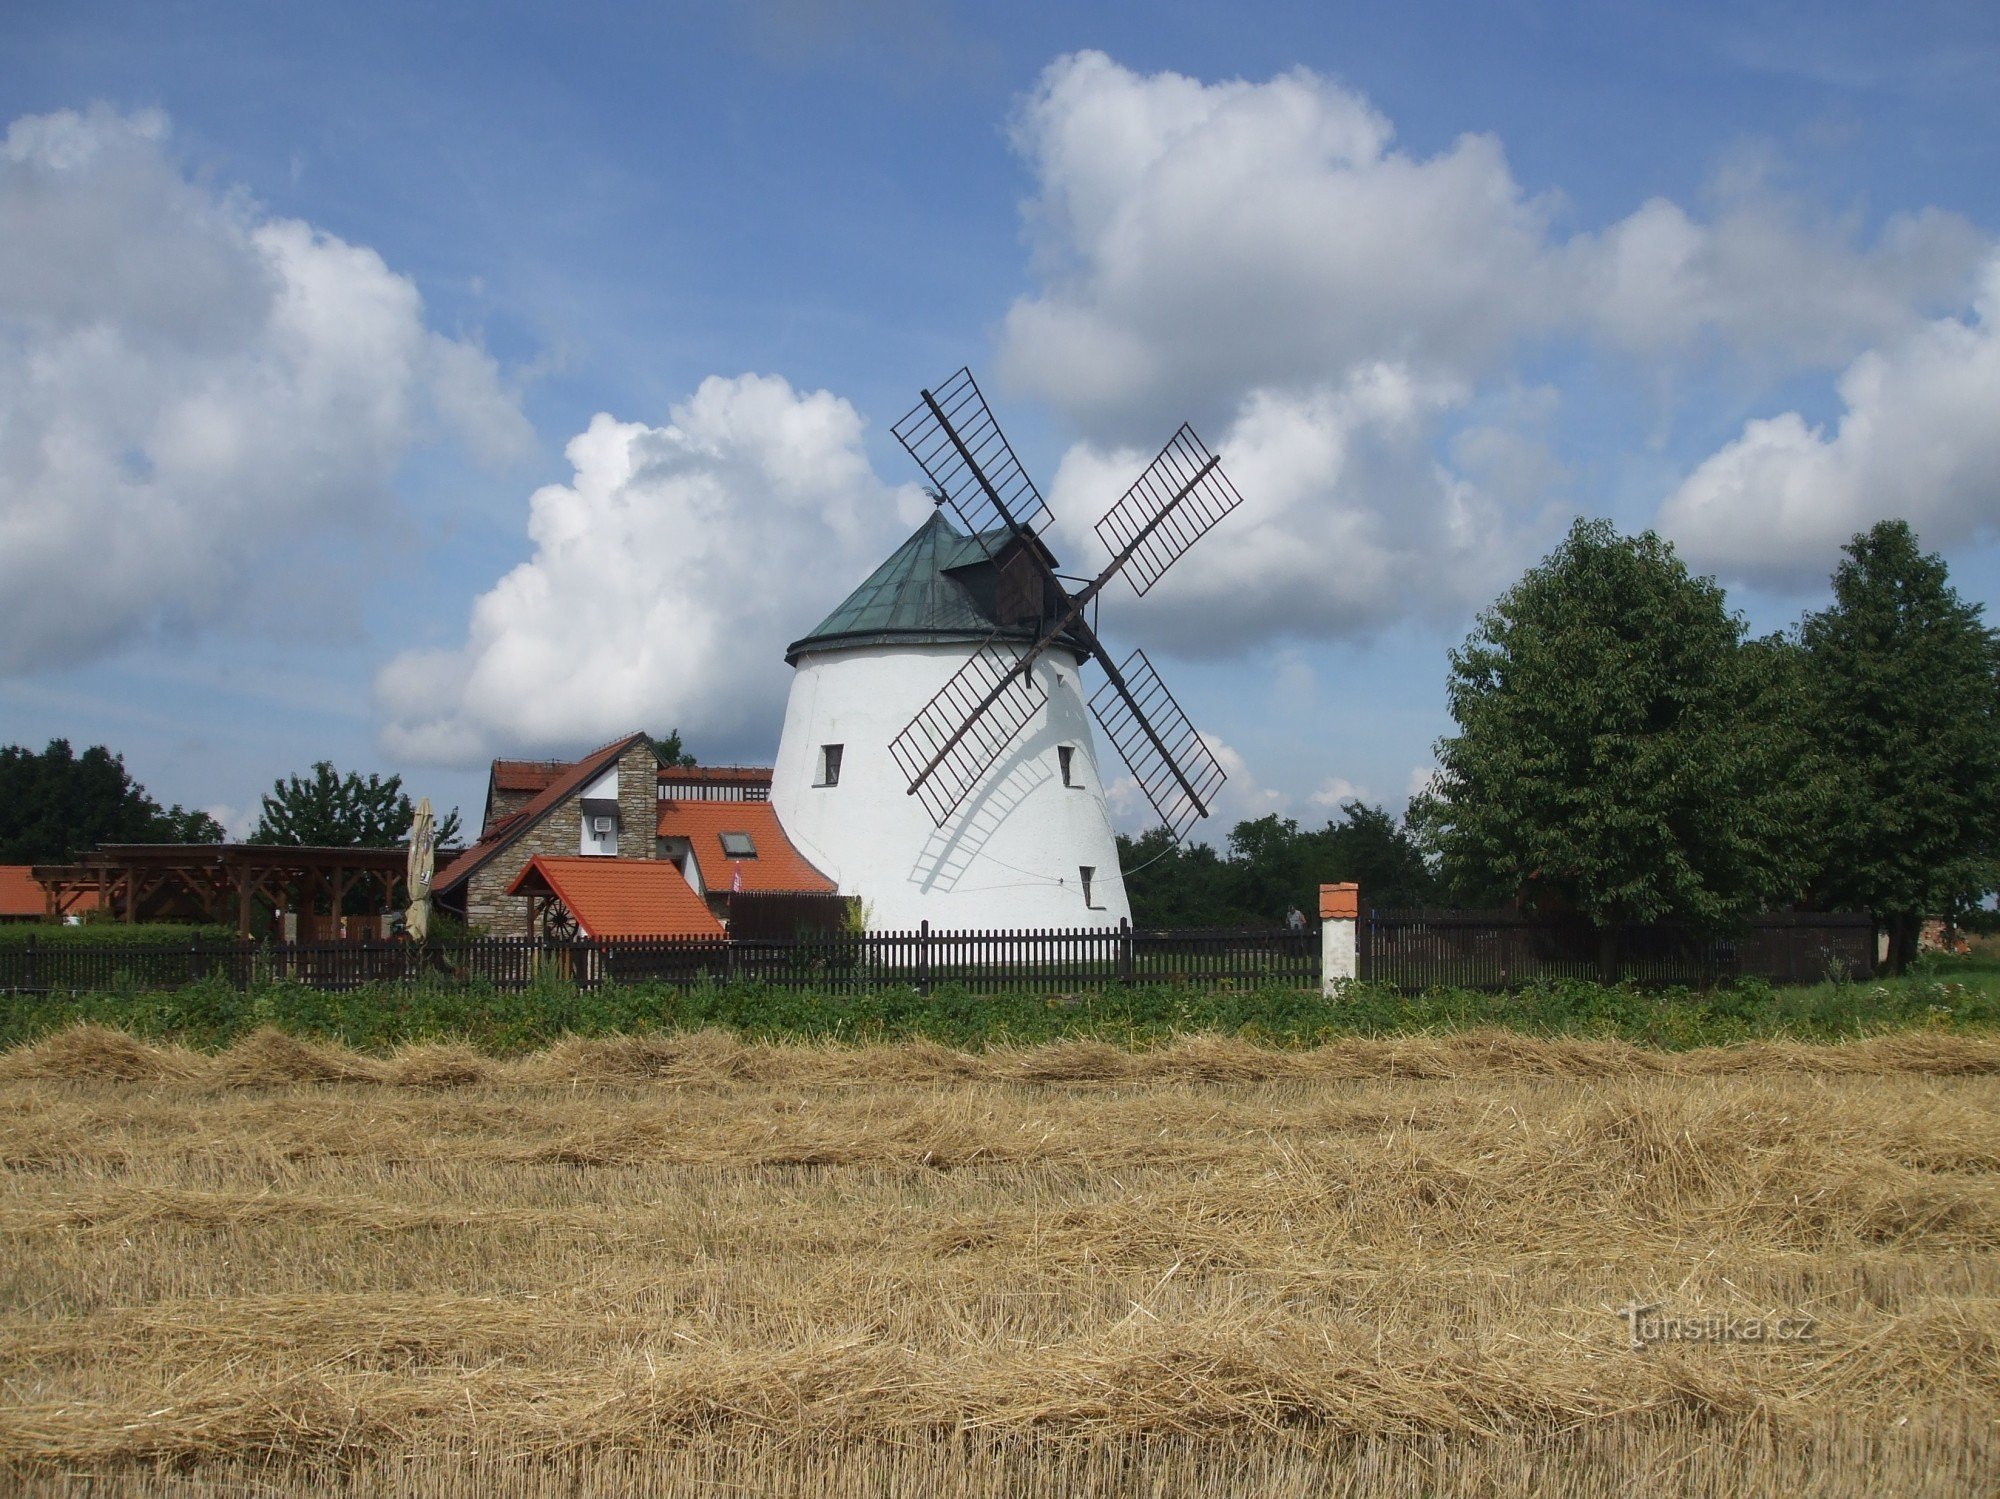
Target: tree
[[1905, 681], [58, 804], [1621, 751], [669, 752], [329, 810], [1272, 865]]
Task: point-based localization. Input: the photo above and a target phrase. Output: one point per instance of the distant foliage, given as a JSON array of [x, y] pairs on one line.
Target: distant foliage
[[329, 810], [58, 804], [1272, 866]]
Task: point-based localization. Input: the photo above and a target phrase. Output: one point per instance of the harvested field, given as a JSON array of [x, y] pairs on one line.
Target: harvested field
[[682, 1262]]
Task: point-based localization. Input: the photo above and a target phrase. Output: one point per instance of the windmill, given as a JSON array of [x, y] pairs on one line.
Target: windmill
[[955, 739]]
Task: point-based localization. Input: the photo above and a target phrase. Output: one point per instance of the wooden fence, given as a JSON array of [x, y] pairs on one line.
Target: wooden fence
[[1416, 950], [1412, 950], [979, 961]]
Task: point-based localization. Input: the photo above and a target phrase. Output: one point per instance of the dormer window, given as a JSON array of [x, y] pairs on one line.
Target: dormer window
[[738, 845]]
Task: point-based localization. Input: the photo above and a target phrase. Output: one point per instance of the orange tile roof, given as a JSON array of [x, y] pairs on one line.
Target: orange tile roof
[[579, 774], [778, 866], [19, 894], [621, 897]]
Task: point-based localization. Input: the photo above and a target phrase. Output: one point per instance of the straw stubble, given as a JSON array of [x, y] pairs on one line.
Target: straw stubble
[[1378, 1266]]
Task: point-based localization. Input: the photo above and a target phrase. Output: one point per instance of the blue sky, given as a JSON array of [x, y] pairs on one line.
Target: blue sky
[[304, 304]]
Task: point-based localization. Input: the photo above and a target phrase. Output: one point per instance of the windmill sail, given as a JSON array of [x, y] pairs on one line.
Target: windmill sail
[[961, 733], [955, 440], [1171, 762], [1176, 501], [967, 726]]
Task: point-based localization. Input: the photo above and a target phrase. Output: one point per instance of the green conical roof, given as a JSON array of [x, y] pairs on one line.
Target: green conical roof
[[913, 597]]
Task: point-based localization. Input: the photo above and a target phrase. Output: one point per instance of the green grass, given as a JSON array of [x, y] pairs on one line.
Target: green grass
[[1957, 995]]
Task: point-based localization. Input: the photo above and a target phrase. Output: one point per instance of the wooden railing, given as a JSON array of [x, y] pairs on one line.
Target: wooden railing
[[979, 961]]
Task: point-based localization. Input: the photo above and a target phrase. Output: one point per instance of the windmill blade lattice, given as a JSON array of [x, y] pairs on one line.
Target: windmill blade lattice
[[1176, 501], [955, 440], [967, 725], [1172, 763]]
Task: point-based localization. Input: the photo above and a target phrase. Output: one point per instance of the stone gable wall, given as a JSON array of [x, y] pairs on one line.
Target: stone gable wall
[[559, 835]]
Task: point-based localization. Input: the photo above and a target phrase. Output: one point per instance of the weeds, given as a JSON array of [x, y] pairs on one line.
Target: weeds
[[211, 1013]]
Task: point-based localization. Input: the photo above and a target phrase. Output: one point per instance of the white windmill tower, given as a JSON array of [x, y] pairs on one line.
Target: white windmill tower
[[937, 757]]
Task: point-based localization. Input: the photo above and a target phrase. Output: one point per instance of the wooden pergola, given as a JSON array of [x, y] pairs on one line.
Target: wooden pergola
[[225, 883]]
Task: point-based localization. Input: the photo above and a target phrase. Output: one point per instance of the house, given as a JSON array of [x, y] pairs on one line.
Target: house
[[556, 830]]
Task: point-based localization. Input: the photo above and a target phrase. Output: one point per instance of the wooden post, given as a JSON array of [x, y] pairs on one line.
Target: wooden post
[[1127, 964], [924, 957]]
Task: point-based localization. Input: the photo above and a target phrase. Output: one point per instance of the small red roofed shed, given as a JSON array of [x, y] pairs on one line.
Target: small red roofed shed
[[619, 897]]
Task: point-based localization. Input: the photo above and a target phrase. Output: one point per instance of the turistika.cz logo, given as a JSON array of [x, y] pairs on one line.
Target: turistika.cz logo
[[1648, 1324]]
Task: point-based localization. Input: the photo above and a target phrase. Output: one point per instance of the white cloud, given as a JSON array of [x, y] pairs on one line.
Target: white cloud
[[1918, 439], [1348, 521], [1199, 240], [1336, 315], [187, 385], [1196, 241], [668, 576]]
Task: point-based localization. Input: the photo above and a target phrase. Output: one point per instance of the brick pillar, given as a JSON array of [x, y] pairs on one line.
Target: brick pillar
[[1339, 952]]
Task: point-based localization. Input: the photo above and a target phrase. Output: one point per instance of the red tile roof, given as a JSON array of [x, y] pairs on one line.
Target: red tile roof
[[778, 866], [620, 897], [580, 774], [526, 775]]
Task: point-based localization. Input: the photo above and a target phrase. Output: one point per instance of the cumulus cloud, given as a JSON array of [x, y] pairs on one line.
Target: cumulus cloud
[[1335, 314], [1917, 439], [1348, 521], [668, 575], [1197, 240], [187, 383]]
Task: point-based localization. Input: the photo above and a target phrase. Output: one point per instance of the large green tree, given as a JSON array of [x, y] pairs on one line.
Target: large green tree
[[56, 804], [329, 810], [1622, 752], [1905, 683]]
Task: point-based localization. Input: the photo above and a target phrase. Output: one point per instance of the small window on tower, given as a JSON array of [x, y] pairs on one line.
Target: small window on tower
[[829, 765], [1066, 758], [738, 846], [1088, 874]]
